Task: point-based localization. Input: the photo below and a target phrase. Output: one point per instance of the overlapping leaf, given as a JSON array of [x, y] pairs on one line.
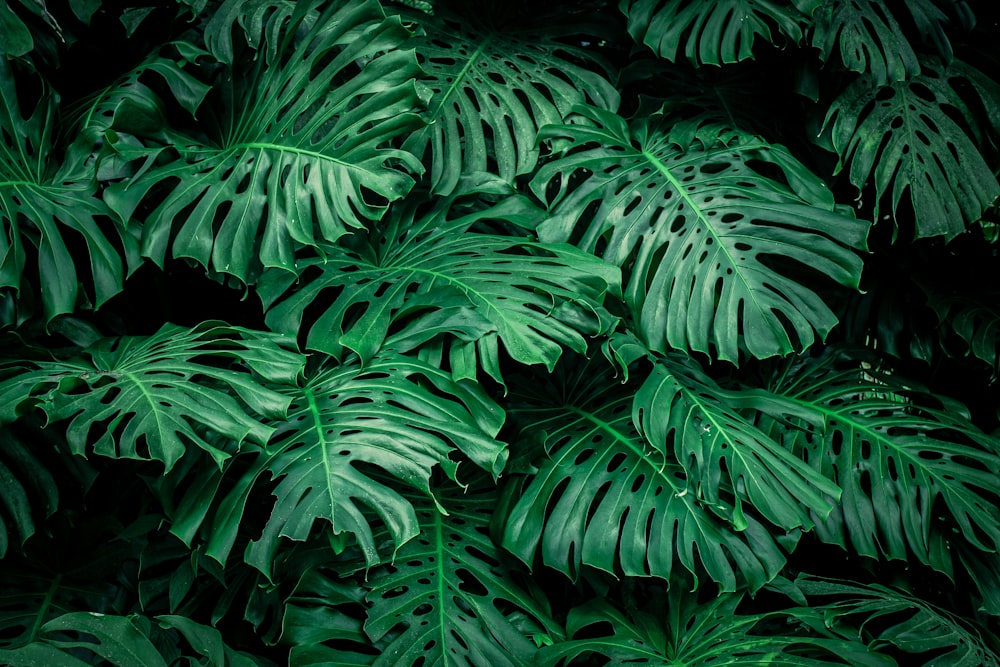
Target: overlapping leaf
[[495, 86], [904, 459], [51, 217], [298, 141], [28, 490], [868, 37], [606, 497], [352, 438], [147, 397], [698, 231], [535, 298], [451, 596], [678, 629], [904, 138], [886, 616], [80, 638], [720, 449], [711, 33]]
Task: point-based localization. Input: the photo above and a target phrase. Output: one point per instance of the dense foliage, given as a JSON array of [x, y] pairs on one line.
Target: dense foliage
[[500, 333]]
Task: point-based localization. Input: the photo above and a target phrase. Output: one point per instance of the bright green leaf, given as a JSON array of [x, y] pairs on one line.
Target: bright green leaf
[[697, 231]]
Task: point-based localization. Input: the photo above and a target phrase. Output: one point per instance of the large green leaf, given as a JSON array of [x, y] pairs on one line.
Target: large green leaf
[[869, 38], [711, 33], [603, 495], [536, 298], [53, 222], [297, 139], [886, 616], [352, 437], [496, 85], [147, 397], [904, 459], [712, 250], [319, 624], [28, 489], [452, 596], [906, 140], [720, 449], [81, 638], [678, 629]]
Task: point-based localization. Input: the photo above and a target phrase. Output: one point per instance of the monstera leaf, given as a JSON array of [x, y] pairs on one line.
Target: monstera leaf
[[598, 493], [713, 632], [146, 397], [718, 447], [353, 437], [51, 216], [297, 139], [76, 639], [698, 231], [535, 298], [976, 322], [712, 33], [869, 38], [132, 105], [452, 595], [903, 459], [885, 616], [494, 87], [905, 139], [29, 491]]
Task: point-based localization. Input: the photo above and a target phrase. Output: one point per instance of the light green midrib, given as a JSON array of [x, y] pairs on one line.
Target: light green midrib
[[154, 406], [266, 146], [460, 77], [627, 442], [465, 288], [327, 469], [442, 614], [830, 414], [43, 609], [662, 168]]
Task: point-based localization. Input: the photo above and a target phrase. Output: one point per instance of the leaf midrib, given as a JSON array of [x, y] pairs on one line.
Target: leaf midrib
[[460, 77], [720, 246]]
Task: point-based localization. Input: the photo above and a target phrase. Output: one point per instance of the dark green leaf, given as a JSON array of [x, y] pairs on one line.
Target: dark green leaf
[[604, 496], [869, 38], [680, 630], [398, 416], [451, 595], [50, 212], [147, 397], [904, 139], [710, 33], [721, 449], [536, 298], [495, 86], [297, 145], [886, 616], [697, 230], [902, 457]]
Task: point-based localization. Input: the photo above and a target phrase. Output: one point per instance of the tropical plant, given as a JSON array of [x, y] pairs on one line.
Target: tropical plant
[[361, 332]]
